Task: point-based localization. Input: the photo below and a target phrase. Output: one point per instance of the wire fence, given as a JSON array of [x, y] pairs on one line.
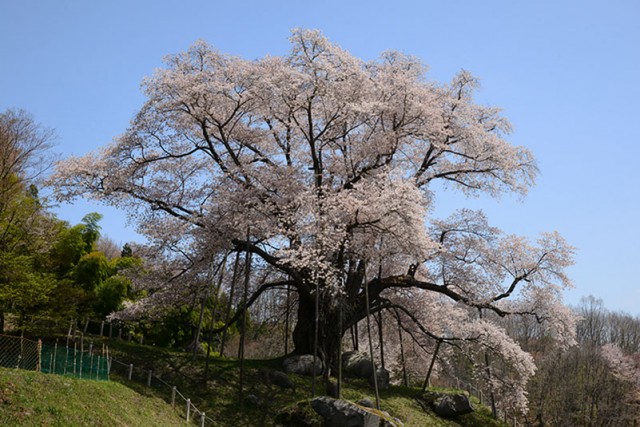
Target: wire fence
[[91, 363], [146, 376], [19, 352], [124, 331]]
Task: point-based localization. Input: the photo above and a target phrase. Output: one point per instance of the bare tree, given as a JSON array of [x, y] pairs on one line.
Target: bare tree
[[24, 150], [108, 247]]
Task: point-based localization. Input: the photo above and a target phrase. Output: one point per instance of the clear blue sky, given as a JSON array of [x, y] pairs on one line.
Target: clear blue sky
[[565, 72]]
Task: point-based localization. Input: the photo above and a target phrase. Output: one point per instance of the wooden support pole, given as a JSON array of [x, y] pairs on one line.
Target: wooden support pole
[[39, 363]]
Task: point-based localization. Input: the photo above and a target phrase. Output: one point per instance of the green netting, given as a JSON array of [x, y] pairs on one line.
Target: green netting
[[70, 361]]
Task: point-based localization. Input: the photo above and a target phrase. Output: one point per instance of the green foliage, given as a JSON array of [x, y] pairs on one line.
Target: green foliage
[[68, 248], [110, 294], [49, 269], [91, 230], [21, 287], [25, 235], [127, 252], [91, 270], [172, 331], [120, 264]]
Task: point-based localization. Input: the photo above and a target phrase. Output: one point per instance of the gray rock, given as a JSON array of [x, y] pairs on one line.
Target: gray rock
[[366, 402], [356, 364], [253, 400], [452, 405], [281, 380], [382, 377], [302, 365], [331, 388], [340, 413]]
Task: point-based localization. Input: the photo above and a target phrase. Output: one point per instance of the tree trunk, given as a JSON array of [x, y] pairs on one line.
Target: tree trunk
[[330, 332], [302, 335], [227, 315]]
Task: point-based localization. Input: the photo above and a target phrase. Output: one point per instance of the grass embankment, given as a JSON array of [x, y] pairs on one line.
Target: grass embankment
[[219, 397], [30, 398], [35, 399]]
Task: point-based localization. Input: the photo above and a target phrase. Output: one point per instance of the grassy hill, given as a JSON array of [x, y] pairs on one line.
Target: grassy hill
[[219, 397], [30, 398], [34, 399]]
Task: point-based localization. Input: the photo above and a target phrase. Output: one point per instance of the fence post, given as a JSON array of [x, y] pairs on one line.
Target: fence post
[[108, 365], [39, 363], [202, 418], [91, 365], [98, 368], [75, 356], [21, 348], [173, 396], [66, 358], [55, 354], [188, 409], [149, 378], [130, 371]]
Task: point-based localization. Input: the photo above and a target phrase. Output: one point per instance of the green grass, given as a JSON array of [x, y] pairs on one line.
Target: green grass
[[38, 399], [35, 399], [219, 398]]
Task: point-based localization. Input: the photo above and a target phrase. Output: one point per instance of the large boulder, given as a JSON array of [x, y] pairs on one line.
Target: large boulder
[[281, 380], [366, 402], [331, 388], [341, 413], [382, 378], [452, 405], [357, 365], [302, 365], [445, 404]]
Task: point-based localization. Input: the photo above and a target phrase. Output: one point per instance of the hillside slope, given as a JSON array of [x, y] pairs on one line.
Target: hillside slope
[[219, 397], [35, 399]]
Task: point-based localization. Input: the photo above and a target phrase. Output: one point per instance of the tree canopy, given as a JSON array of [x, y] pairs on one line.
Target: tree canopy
[[321, 166]]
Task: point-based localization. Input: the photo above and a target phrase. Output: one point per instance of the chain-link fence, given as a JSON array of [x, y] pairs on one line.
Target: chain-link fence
[[77, 361], [19, 352], [89, 362]]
